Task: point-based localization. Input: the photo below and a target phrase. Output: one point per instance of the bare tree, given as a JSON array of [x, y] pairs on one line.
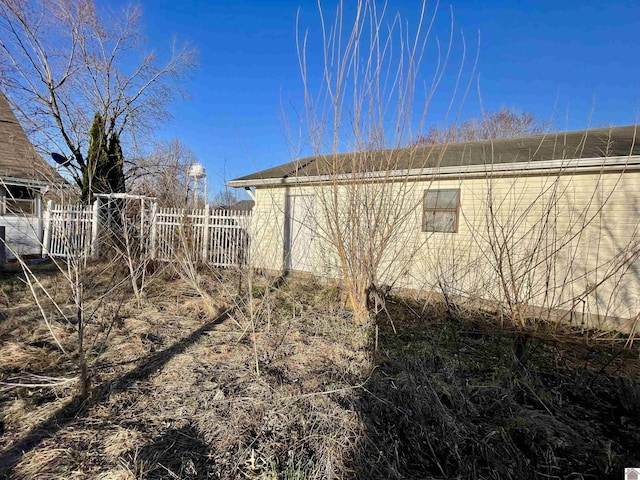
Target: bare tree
[[503, 123], [65, 61], [225, 198], [365, 103], [163, 173]]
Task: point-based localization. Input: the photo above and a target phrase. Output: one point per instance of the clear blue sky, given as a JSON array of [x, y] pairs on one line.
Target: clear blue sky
[[574, 60]]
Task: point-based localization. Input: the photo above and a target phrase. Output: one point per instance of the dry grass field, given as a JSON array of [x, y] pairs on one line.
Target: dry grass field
[[187, 387]]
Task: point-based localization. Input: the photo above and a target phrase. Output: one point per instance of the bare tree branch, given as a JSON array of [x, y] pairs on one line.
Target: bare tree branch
[[64, 61]]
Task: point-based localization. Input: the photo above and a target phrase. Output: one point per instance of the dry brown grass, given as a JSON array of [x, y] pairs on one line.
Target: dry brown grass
[[177, 396], [49, 463], [206, 397], [121, 472], [122, 441], [17, 356]]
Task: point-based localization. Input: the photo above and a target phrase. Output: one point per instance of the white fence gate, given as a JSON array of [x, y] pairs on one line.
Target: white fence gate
[[217, 237], [70, 230]]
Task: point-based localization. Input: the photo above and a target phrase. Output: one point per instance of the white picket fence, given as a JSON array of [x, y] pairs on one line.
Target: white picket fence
[[216, 237]]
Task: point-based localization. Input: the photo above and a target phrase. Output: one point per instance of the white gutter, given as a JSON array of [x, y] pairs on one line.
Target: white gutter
[[544, 167]]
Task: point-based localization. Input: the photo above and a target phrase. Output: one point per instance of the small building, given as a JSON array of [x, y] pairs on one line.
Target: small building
[[24, 178], [545, 223]]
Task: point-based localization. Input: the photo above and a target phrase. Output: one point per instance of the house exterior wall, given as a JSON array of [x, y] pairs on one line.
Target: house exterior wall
[[23, 233], [564, 243], [556, 243]]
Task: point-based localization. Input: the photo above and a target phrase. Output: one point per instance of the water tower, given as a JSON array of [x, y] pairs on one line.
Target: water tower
[[196, 171]]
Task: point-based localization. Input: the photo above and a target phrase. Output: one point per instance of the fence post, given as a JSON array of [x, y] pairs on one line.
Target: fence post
[[205, 234], [3, 247], [94, 229], [154, 229], [248, 226], [46, 240], [142, 219]]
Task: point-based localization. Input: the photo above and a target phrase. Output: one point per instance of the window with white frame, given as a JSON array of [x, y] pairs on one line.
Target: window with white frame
[[19, 200], [441, 210]]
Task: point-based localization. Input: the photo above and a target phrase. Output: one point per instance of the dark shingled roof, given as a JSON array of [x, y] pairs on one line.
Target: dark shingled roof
[[594, 143], [243, 205], [18, 158]]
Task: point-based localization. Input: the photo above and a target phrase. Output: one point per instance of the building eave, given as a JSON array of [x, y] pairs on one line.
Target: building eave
[[548, 167], [26, 182]]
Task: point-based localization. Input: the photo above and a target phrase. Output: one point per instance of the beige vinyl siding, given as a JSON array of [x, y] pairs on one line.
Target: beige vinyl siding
[[564, 235], [267, 229], [569, 241]]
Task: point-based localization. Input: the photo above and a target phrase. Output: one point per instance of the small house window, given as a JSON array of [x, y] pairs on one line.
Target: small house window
[[19, 200], [441, 210]]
